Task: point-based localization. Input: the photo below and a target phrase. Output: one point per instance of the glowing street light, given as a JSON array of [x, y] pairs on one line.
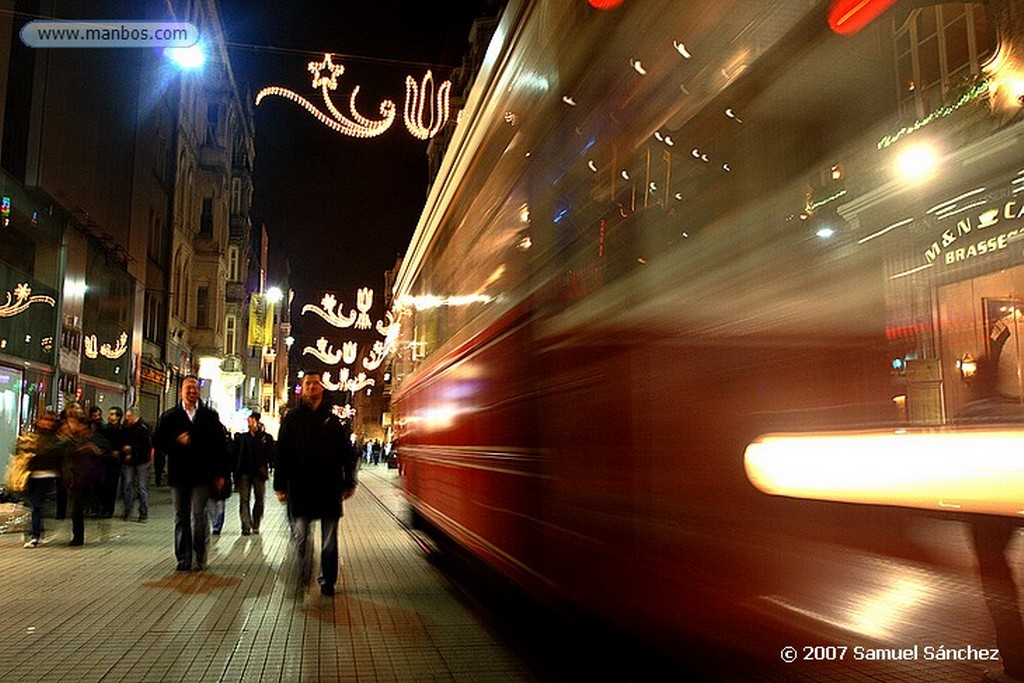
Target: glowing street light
[[275, 295], [917, 163], [188, 58]]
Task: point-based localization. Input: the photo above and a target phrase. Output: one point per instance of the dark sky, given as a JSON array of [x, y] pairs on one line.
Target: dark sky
[[343, 207]]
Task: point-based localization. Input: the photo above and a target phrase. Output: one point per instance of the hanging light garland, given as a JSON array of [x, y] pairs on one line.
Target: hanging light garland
[[348, 354], [106, 350], [346, 383], [327, 312], [977, 90], [330, 356], [22, 299], [364, 302], [417, 98]]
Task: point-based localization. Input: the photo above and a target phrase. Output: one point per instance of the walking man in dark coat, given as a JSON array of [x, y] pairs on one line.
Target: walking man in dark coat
[[254, 456], [192, 436], [315, 470]]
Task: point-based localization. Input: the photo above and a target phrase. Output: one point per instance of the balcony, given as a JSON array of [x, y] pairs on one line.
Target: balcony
[[231, 363], [235, 292], [213, 158]]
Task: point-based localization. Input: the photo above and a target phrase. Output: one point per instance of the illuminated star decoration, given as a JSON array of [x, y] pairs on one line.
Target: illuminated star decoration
[[325, 77], [22, 299]]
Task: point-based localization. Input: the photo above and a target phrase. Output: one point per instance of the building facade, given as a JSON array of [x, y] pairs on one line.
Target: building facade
[[127, 186]]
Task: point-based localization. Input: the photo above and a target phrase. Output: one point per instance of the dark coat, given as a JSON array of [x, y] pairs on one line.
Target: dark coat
[[254, 454], [137, 436], [316, 462], [83, 467], [207, 455]]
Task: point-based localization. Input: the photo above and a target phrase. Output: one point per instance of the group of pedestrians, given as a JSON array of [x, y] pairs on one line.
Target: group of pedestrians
[[314, 469], [82, 460], [313, 466]]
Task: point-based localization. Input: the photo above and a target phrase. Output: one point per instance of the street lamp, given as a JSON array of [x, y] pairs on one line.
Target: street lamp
[[188, 58], [275, 295]]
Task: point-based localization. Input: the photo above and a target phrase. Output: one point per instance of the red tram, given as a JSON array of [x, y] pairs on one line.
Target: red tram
[[664, 230]]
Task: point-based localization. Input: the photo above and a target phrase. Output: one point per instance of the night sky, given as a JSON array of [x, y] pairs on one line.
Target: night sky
[[343, 208]]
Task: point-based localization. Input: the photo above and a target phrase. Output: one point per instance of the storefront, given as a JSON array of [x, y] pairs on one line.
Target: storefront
[[954, 269]]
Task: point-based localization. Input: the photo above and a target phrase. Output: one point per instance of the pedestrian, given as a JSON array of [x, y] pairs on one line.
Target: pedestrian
[[136, 450], [95, 420], [111, 460], [83, 466], [192, 437], [314, 471], [992, 533], [219, 495], [254, 456], [46, 460]]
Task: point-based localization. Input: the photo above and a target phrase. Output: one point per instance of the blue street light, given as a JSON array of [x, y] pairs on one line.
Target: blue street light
[[188, 58]]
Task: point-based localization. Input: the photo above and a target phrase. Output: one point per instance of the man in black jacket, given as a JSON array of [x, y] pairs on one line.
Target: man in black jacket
[[315, 470], [192, 436], [135, 455], [254, 456]]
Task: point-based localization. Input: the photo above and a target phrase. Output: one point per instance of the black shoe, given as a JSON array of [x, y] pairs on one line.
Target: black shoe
[[199, 567], [216, 532], [326, 590], [183, 567], [246, 532], [143, 518], [77, 541]]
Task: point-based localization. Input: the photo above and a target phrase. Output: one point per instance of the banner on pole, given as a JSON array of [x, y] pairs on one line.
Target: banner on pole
[[261, 321]]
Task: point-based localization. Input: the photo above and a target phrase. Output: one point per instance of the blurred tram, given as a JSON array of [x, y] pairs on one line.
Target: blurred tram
[[663, 230]]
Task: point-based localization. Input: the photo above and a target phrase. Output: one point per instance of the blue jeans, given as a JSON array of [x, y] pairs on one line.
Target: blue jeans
[[304, 550], [190, 522], [38, 487], [134, 478], [216, 513]]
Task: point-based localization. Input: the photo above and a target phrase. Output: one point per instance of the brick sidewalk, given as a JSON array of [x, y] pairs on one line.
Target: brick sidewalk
[[115, 609]]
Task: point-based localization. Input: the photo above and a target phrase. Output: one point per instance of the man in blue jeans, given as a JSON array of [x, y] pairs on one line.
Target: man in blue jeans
[[315, 470], [136, 448]]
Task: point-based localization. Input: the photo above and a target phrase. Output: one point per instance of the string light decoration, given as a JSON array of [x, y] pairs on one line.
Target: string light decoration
[[364, 301], [385, 328], [106, 350], [388, 328], [346, 383], [330, 356], [327, 312], [349, 352], [376, 357], [980, 88], [22, 299], [417, 98]]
